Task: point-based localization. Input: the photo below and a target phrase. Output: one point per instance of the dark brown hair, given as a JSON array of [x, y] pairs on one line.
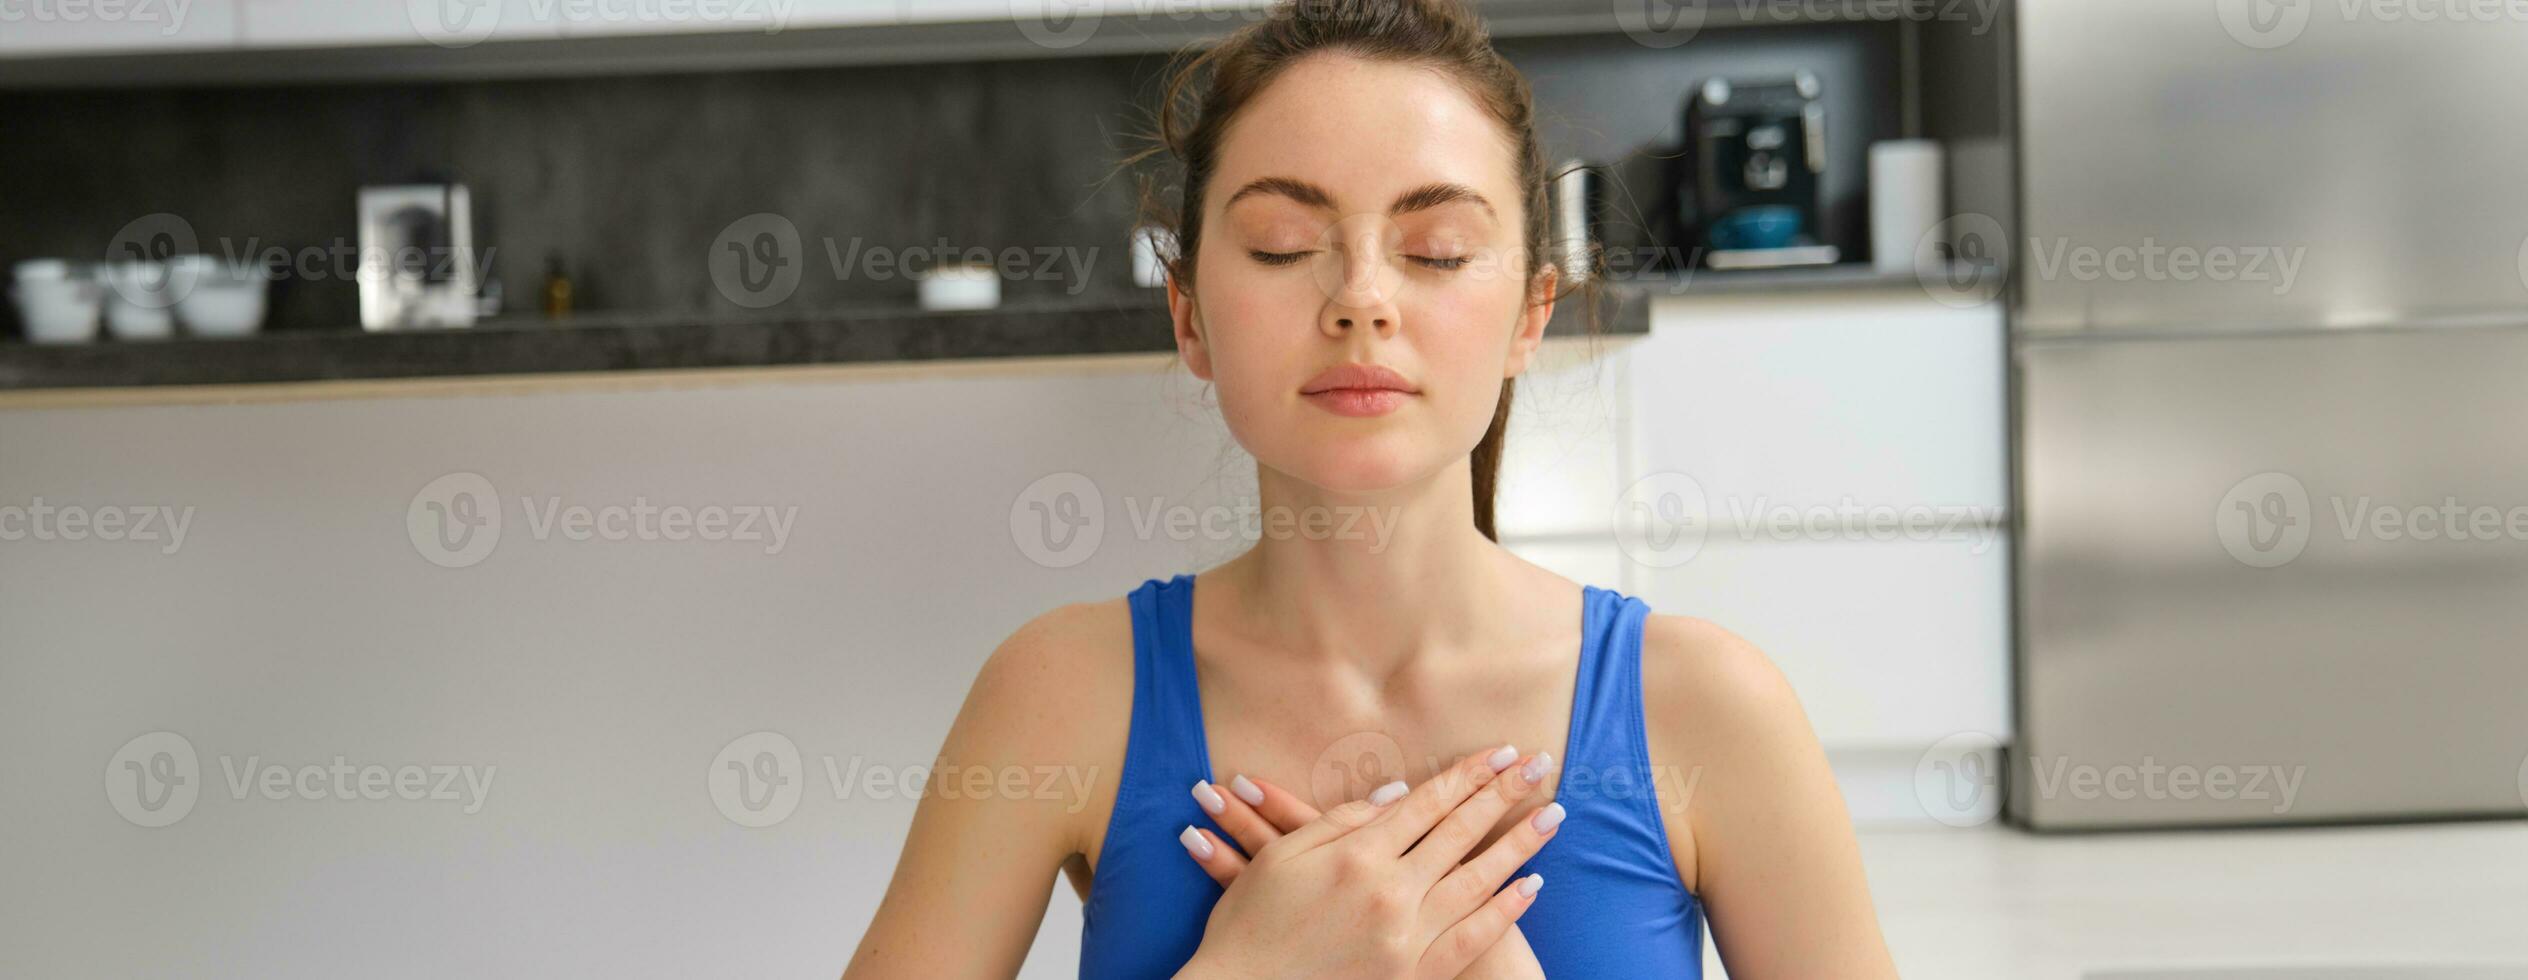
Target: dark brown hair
[[1207, 87]]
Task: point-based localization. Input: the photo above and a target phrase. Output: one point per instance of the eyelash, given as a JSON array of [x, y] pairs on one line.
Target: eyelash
[[1287, 258]]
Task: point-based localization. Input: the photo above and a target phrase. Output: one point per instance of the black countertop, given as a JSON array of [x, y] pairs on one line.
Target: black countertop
[[597, 342]]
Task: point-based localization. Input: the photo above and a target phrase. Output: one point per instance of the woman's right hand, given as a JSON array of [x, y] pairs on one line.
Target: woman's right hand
[[1378, 889]]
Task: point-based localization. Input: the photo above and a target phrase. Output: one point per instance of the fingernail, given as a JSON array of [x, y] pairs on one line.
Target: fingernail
[[1246, 790], [1502, 757], [1387, 794], [1209, 798], [1536, 768], [1195, 843], [1548, 818], [1530, 885]]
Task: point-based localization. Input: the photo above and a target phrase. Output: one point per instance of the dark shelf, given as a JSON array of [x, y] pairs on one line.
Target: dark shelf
[[617, 343]]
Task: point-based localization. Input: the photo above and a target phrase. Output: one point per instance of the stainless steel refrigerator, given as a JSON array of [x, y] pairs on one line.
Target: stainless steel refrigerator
[[2269, 292]]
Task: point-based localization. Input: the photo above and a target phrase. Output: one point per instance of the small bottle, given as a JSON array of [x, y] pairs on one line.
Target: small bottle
[[557, 288]]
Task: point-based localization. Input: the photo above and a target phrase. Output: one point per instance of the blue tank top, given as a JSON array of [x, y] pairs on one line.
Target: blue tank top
[[1613, 906]]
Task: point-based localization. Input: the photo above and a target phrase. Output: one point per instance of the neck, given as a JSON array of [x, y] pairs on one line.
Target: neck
[[1372, 579]]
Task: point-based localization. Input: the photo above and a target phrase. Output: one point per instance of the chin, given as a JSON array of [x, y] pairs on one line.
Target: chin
[[1358, 459]]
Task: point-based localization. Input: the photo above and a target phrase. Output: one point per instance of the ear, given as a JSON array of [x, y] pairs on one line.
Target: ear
[[1532, 321], [1189, 330]]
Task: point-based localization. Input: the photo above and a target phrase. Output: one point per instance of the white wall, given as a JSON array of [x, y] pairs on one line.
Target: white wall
[[299, 620]]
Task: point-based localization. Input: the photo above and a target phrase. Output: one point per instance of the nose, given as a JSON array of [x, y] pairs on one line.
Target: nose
[[1365, 295]]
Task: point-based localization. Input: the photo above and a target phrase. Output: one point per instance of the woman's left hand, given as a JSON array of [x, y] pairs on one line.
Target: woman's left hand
[[1256, 813]]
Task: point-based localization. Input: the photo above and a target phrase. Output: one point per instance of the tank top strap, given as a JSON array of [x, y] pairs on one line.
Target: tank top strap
[[1165, 750], [1607, 751]]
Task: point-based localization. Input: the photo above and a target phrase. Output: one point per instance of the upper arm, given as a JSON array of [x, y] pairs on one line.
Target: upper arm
[[1775, 860], [969, 890]]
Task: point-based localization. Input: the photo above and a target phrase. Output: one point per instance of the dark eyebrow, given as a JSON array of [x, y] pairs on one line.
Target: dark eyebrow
[[1420, 198]]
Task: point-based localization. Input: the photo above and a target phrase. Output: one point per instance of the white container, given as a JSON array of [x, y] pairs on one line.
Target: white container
[[960, 287], [1151, 247], [59, 311], [216, 299], [138, 303], [1905, 202], [34, 270]]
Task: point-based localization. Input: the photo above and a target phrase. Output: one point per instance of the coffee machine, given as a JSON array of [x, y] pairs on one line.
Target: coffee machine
[[1746, 191]]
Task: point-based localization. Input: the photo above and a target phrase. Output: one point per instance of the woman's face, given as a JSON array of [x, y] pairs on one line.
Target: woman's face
[[1362, 214]]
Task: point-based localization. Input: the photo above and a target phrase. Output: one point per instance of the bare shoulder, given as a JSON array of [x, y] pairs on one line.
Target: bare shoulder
[[1712, 686], [1056, 699], [1057, 679], [1727, 731]]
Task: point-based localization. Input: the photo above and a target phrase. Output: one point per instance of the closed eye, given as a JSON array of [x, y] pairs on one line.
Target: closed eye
[[1276, 258], [1443, 265]]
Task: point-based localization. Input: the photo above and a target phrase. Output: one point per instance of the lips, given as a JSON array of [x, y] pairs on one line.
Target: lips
[[1357, 377], [1358, 390]]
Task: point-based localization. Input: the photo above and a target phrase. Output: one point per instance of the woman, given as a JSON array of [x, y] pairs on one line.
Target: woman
[[1358, 278]]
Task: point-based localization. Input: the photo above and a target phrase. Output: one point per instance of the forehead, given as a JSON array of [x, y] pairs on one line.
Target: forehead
[[1366, 130]]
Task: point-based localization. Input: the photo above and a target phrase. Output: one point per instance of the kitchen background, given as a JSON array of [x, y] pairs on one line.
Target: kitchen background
[[352, 551]]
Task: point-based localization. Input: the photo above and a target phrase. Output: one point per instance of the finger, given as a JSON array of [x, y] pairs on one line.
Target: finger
[[1423, 808], [1279, 806], [1217, 858], [1459, 944], [1456, 836], [1232, 813], [1467, 886], [1337, 823]]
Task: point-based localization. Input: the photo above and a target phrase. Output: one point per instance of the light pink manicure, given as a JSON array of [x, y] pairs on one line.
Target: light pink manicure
[[1536, 768], [1548, 818], [1209, 798], [1246, 790], [1530, 885], [1195, 843], [1502, 757], [1387, 794]]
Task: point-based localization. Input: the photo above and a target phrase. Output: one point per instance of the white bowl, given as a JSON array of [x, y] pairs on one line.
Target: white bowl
[[216, 299], [44, 269], [59, 311], [959, 287], [138, 303]]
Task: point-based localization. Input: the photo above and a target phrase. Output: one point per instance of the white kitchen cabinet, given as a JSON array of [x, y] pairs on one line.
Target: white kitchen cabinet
[[92, 27], [1827, 472], [1878, 397], [1888, 643]]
